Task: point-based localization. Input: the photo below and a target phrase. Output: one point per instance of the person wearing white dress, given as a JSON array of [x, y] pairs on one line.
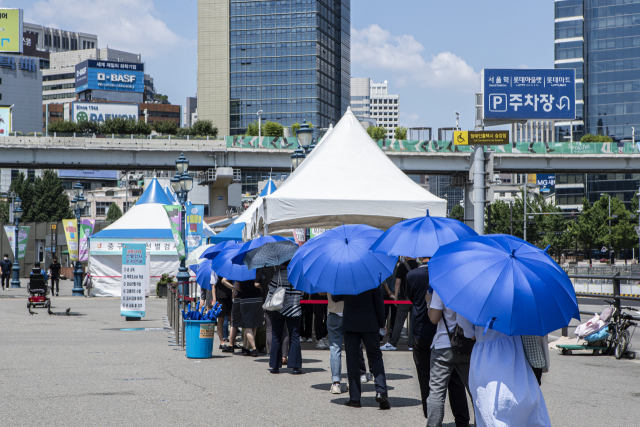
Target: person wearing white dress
[[503, 386]]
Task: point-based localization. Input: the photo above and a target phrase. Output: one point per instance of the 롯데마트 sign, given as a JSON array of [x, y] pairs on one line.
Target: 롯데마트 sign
[[134, 280], [11, 30], [481, 138], [525, 94]]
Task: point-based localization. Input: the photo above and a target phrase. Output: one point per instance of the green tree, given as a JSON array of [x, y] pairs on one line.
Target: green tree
[[63, 126], [162, 98], [273, 129], [593, 224], [595, 138], [165, 127], [457, 212], [4, 211], [51, 201], [85, 126], [377, 132], [114, 212], [204, 128], [26, 191], [143, 128], [401, 132], [296, 126], [252, 129]]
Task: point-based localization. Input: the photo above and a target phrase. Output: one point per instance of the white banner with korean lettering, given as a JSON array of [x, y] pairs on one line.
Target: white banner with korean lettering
[[134, 279], [114, 247]]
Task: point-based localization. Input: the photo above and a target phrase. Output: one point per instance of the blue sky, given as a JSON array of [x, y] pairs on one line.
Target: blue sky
[[431, 52]]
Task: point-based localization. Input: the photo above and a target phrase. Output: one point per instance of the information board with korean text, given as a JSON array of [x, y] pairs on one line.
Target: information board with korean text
[[134, 278], [524, 94]]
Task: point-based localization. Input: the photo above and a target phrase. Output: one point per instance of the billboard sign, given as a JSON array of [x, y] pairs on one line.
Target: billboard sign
[[11, 30], [99, 111], [547, 182], [5, 121], [88, 174], [525, 94], [107, 75], [481, 138]]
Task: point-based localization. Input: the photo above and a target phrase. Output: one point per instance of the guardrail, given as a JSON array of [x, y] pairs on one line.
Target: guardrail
[[115, 143], [176, 303]]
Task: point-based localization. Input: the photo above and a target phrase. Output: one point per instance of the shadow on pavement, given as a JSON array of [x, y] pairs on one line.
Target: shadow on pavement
[[370, 402], [266, 360], [366, 388]]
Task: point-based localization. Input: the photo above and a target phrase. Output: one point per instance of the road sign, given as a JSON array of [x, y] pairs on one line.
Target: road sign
[[481, 138], [637, 230], [523, 94]]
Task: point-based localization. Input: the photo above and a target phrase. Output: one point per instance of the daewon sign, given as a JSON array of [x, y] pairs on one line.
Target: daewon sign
[[529, 94]]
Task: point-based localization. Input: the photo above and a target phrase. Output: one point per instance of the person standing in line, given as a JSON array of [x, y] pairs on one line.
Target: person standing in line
[[306, 320], [263, 278], [222, 292], [444, 360], [403, 309], [236, 323], [363, 318], [6, 267], [388, 293], [422, 334], [289, 314], [320, 322], [336, 337], [252, 315]]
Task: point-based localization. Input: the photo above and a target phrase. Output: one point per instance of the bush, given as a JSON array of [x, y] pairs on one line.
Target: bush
[[401, 132], [377, 132], [165, 127], [62, 126], [595, 138], [143, 128], [204, 128], [275, 130], [85, 126], [252, 130]]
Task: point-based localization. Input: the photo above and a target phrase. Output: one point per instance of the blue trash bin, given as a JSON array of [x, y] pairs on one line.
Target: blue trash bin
[[199, 335]]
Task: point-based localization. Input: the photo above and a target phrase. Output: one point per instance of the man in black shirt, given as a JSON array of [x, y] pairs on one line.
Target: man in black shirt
[[422, 332], [263, 278], [6, 267], [252, 314], [400, 294], [54, 274]]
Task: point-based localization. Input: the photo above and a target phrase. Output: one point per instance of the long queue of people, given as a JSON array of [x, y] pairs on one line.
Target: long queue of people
[[450, 354]]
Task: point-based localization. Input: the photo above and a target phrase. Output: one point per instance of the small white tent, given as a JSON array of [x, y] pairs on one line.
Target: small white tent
[[146, 222], [346, 179]]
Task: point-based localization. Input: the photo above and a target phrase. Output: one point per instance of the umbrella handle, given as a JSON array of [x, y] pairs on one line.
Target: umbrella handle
[[488, 325]]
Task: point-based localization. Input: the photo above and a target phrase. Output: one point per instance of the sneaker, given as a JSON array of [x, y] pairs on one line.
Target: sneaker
[[363, 379], [369, 376], [321, 345], [325, 340], [410, 348], [309, 339], [336, 389], [387, 347]]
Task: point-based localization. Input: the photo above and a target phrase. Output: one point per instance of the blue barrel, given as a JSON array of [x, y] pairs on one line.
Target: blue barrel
[[199, 336]]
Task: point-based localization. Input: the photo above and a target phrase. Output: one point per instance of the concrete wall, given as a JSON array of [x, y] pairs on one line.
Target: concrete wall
[[213, 63], [23, 89]]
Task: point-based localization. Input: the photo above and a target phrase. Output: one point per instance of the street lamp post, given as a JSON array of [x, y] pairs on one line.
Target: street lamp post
[[610, 254], [259, 114], [78, 204], [17, 214], [182, 184], [305, 137]]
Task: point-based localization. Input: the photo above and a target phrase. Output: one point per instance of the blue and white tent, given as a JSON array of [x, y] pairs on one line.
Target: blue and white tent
[[146, 222]]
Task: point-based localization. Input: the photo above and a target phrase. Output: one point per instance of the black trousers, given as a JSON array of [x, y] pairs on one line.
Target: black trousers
[[394, 310], [320, 320], [55, 280], [374, 355], [295, 352], [6, 279], [456, 388], [306, 321]]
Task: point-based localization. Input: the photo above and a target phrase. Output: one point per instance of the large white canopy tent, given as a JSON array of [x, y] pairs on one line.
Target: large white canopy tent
[[346, 179]]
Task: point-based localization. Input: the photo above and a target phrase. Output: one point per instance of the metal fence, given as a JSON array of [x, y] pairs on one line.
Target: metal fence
[[599, 280]]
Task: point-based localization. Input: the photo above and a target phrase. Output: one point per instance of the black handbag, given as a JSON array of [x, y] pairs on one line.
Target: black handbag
[[459, 343]]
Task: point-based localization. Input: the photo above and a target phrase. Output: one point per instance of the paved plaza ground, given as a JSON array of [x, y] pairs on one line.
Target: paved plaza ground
[[83, 370]]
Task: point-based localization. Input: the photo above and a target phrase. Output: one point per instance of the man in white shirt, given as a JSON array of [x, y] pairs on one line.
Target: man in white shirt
[[443, 359]]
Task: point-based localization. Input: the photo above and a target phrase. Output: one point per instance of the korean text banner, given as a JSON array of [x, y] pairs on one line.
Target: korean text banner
[[175, 217], [71, 233], [134, 279], [11, 35], [5, 121], [546, 181], [86, 230], [529, 94], [23, 236], [195, 235]]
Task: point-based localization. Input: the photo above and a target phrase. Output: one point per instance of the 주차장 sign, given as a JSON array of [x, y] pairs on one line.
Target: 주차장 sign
[[134, 279], [524, 94], [481, 138]]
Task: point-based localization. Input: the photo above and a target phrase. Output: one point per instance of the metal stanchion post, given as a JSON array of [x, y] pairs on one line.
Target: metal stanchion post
[[183, 325], [616, 290]]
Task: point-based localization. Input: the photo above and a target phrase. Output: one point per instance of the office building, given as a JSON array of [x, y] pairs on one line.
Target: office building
[[40, 41], [599, 40], [372, 104], [191, 111], [290, 59], [20, 93]]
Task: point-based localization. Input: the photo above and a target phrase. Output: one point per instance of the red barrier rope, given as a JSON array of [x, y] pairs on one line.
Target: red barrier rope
[[390, 301]]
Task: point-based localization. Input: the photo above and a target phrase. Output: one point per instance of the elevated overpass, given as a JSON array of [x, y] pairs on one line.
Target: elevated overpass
[[36, 152]]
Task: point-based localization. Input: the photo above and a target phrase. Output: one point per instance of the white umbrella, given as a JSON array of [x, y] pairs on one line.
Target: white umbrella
[[194, 256]]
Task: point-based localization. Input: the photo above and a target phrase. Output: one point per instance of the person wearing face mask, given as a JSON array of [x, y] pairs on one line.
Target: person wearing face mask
[[6, 266]]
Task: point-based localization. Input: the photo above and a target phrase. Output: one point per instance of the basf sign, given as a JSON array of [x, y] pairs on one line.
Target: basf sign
[[106, 75], [100, 111], [11, 30], [529, 94]]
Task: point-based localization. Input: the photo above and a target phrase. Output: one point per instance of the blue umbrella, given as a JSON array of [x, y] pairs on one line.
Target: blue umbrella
[[203, 274], [213, 251], [338, 261], [505, 283], [421, 237], [224, 267], [265, 252], [294, 272]]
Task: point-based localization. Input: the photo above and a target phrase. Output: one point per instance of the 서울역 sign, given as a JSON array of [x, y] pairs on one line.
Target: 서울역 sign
[[481, 138]]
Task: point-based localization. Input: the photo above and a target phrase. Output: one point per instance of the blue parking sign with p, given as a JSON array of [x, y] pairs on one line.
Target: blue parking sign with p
[[498, 102]]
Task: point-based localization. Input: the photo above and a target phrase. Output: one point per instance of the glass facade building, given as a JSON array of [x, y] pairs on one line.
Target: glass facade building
[[290, 59]]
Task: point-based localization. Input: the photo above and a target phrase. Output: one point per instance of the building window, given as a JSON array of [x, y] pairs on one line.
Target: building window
[[31, 175], [87, 209], [102, 208]]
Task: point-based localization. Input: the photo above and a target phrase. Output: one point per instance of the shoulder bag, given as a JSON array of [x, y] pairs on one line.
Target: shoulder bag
[[275, 301], [459, 343]]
